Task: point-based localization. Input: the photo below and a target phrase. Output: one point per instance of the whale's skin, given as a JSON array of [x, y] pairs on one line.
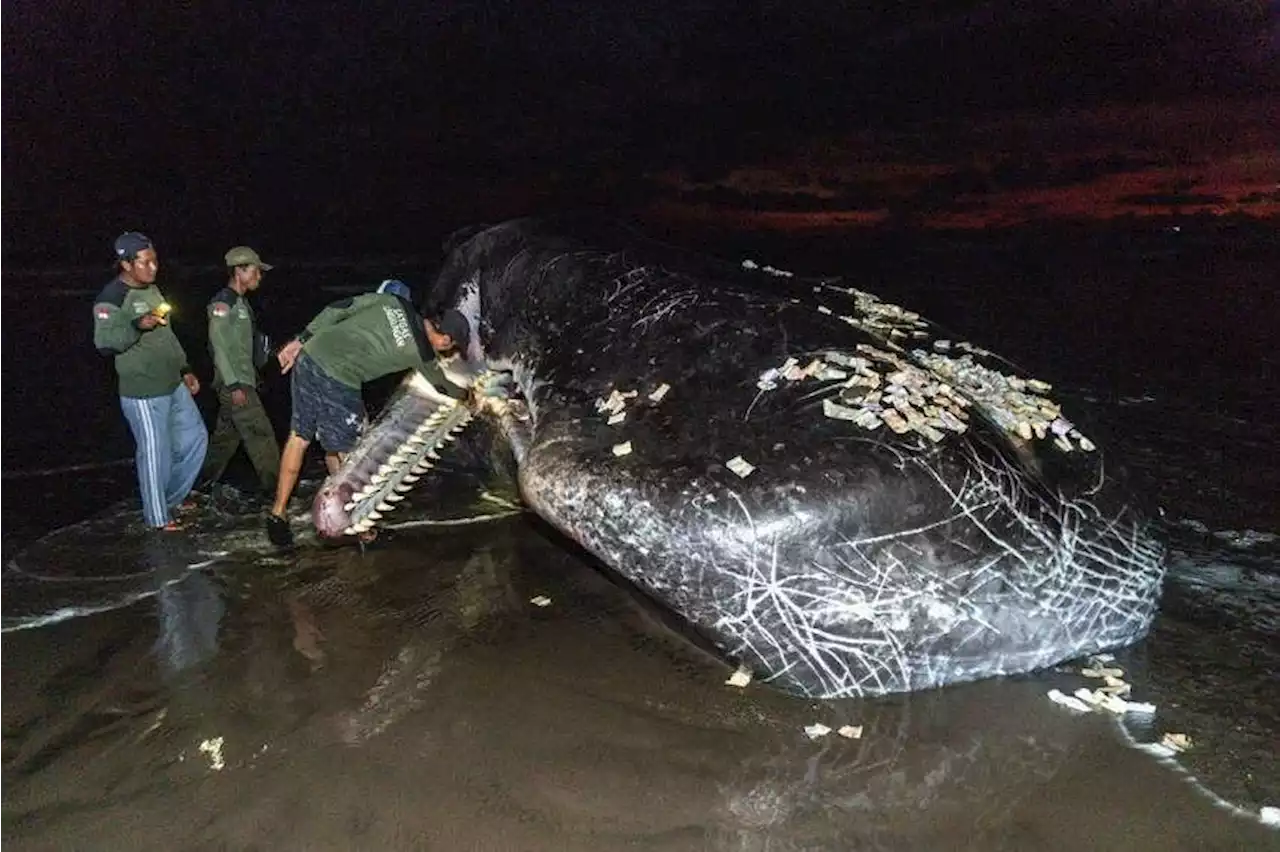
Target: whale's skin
[[850, 561]]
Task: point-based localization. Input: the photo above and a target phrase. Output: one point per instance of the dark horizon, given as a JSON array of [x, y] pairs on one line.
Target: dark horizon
[[360, 128]]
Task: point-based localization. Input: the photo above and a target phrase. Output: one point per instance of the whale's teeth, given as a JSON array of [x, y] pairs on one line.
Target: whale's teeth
[[396, 460], [349, 531], [373, 516], [384, 506], [361, 527], [377, 479], [432, 454], [383, 470], [415, 438], [395, 498], [421, 468], [409, 478], [402, 488], [349, 506]]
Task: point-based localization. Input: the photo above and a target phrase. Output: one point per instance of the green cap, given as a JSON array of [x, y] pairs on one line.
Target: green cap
[[245, 256]]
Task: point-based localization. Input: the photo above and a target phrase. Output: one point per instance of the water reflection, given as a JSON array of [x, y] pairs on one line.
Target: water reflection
[[188, 604]]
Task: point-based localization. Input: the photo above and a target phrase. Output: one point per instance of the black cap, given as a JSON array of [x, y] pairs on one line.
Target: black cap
[[453, 323], [130, 243]]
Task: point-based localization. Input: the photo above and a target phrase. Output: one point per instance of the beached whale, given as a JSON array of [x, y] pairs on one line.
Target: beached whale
[[839, 497]]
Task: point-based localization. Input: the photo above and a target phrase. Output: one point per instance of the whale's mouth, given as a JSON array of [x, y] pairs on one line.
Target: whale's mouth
[[399, 447]]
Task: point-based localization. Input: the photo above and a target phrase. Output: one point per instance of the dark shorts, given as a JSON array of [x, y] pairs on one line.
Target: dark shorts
[[324, 408]]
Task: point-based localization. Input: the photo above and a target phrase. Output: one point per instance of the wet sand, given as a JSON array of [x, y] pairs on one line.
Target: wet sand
[[414, 698]]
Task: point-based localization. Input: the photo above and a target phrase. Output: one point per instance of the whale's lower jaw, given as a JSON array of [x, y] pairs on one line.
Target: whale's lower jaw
[[389, 458]]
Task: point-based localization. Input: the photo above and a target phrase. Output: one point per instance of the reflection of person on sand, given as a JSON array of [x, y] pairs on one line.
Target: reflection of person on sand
[[156, 385], [188, 605], [236, 344], [351, 342]]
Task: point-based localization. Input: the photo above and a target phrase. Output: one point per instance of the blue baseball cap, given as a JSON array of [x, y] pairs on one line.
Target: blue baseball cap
[[130, 243], [396, 288]]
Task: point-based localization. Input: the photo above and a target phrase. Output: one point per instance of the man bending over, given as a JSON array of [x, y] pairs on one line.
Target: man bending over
[[353, 341]]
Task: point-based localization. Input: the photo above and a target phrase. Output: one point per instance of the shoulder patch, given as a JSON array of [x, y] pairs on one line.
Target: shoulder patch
[[102, 312], [221, 309]]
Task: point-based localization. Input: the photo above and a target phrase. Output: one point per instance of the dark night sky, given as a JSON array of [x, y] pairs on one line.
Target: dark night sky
[[334, 128]]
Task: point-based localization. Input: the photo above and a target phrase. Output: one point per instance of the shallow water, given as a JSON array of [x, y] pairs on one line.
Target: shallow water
[[415, 698]]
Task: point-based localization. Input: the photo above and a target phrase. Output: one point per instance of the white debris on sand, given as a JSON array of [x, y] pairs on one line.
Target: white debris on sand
[[740, 466], [623, 449], [850, 732], [740, 678], [1269, 815], [659, 392], [816, 730], [213, 748], [540, 600]]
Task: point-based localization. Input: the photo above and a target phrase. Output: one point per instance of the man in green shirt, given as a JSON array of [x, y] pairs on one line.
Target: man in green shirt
[[351, 342], [131, 326], [237, 347]]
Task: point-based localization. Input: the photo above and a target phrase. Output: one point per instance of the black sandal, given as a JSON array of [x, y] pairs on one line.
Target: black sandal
[[278, 531]]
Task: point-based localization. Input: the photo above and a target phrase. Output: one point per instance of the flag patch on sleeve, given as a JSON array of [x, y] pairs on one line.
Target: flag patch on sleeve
[[102, 312], [221, 309]]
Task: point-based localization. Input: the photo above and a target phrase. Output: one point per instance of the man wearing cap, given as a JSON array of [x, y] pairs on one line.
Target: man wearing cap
[[239, 351], [351, 342], [130, 325]]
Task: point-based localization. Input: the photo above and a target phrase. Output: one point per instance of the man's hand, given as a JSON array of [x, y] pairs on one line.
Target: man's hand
[[288, 354], [239, 397], [192, 383], [146, 322]]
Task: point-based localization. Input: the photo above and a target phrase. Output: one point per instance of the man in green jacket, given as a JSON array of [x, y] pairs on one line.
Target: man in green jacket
[[238, 348], [130, 325], [351, 342]]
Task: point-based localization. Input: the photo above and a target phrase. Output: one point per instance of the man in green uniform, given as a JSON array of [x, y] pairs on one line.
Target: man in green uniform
[[351, 342], [237, 347], [131, 326]]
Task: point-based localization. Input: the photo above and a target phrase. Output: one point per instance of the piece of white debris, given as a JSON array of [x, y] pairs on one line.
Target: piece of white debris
[[1177, 742], [1102, 658], [540, 600], [623, 449], [823, 309], [617, 418], [750, 264], [1071, 702], [740, 678], [1269, 815], [816, 730], [213, 748], [1102, 672], [738, 465], [851, 732], [660, 392]]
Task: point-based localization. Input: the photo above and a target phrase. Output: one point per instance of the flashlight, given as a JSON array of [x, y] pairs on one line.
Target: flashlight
[[162, 310]]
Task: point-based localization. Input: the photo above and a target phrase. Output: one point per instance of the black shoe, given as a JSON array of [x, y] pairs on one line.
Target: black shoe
[[278, 531]]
